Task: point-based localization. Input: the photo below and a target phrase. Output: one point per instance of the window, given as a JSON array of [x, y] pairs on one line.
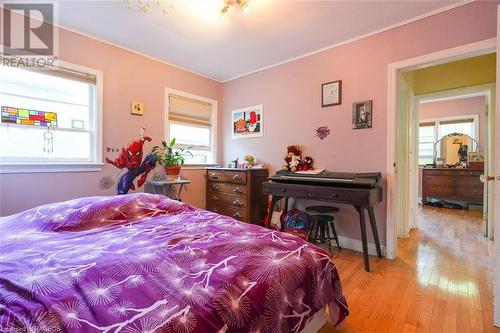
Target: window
[[49, 118], [191, 121], [426, 139], [432, 130]]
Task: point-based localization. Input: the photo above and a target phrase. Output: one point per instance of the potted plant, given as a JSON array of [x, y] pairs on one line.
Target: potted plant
[[170, 159]]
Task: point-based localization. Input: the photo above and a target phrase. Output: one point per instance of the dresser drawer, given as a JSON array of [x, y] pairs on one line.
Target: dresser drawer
[[235, 213], [229, 200], [236, 177], [227, 188]]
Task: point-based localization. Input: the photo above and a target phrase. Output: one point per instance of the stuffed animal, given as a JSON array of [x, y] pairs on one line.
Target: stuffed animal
[[249, 161], [291, 151], [294, 163], [308, 163]]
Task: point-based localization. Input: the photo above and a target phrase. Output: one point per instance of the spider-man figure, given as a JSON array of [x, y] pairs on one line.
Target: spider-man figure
[[131, 158]]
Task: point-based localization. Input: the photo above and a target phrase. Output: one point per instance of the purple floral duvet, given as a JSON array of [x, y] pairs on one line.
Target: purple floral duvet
[[145, 263]]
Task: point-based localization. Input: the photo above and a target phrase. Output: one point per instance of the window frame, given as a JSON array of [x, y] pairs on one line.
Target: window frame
[[437, 129], [213, 122], [96, 133]]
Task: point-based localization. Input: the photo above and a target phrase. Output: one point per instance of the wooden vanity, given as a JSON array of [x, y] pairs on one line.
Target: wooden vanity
[[452, 184]]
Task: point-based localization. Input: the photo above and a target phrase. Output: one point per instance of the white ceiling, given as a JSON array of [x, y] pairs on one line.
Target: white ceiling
[[193, 36]]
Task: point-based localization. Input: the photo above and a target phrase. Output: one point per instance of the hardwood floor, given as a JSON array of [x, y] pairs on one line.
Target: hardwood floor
[[441, 282]]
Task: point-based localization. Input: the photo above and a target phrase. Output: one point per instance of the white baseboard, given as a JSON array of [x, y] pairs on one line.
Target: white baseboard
[[355, 245]]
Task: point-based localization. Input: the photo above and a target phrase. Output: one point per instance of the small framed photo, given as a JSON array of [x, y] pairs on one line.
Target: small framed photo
[[362, 115], [247, 122], [137, 108], [331, 93]]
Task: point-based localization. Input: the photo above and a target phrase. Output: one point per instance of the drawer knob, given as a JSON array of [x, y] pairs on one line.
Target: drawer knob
[[214, 176], [236, 177], [215, 197], [236, 202], [237, 190], [283, 190], [236, 215], [335, 195], [215, 187]]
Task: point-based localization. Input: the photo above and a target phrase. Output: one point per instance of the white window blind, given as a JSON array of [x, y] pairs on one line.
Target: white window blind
[[190, 123], [69, 95]]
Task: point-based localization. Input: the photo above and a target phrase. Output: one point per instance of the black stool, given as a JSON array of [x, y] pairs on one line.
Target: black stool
[[323, 218]]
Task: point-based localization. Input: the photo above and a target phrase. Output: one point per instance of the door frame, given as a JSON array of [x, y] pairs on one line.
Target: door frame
[[455, 53], [488, 92]]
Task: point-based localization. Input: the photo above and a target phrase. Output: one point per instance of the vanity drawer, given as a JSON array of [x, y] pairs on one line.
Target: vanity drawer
[[227, 188], [236, 177]]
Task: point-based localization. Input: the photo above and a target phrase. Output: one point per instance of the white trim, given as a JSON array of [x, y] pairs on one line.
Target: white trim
[[356, 245], [455, 53], [49, 167], [213, 120], [495, 140], [354, 39], [414, 19]]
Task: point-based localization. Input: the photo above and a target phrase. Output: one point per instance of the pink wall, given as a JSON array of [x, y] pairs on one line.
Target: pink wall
[[127, 77], [291, 95], [458, 107]]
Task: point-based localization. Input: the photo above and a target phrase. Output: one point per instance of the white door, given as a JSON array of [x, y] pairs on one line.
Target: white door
[[496, 188]]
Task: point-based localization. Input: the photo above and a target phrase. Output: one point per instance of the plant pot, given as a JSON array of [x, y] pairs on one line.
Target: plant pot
[[172, 171]]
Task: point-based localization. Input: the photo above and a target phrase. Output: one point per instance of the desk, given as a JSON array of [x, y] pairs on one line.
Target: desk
[[362, 190], [166, 187]]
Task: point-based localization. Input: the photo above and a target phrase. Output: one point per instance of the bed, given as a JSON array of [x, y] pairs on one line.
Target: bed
[[145, 263]]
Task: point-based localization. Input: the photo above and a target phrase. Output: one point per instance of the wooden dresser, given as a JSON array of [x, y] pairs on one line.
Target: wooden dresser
[[237, 193], [452, 184]]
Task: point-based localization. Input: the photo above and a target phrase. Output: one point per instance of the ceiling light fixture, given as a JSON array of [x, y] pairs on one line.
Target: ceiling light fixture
[[242, 5]]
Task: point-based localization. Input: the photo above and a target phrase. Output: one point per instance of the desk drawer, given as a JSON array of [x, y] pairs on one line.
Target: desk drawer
[[235, 177], [352, 196], [224, 199], [227, 188]]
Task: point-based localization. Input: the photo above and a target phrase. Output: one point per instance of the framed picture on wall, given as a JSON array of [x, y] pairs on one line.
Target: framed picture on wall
[[247, 122], [331, 93], [362, 115]]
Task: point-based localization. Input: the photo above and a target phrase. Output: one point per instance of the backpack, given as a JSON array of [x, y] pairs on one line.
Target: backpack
[[296, 223]]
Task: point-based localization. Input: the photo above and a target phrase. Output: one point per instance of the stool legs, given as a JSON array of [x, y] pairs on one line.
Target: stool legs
[[321, 232], [332, 225]]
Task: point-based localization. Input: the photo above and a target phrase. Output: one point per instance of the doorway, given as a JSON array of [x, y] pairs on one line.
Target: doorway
[[403, 134]]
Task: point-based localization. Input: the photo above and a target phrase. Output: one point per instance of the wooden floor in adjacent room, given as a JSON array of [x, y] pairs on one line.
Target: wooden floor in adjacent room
[[441, 282]]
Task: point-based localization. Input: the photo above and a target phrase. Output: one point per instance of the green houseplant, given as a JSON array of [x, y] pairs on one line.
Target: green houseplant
[[168, 157]]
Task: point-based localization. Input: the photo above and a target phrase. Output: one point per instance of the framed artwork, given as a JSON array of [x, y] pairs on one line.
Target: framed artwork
[[137, 108], [331, 93], [247, 122], [362, 115]]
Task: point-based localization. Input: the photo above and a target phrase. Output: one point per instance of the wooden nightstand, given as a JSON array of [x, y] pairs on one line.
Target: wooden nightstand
[[237, 193]]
